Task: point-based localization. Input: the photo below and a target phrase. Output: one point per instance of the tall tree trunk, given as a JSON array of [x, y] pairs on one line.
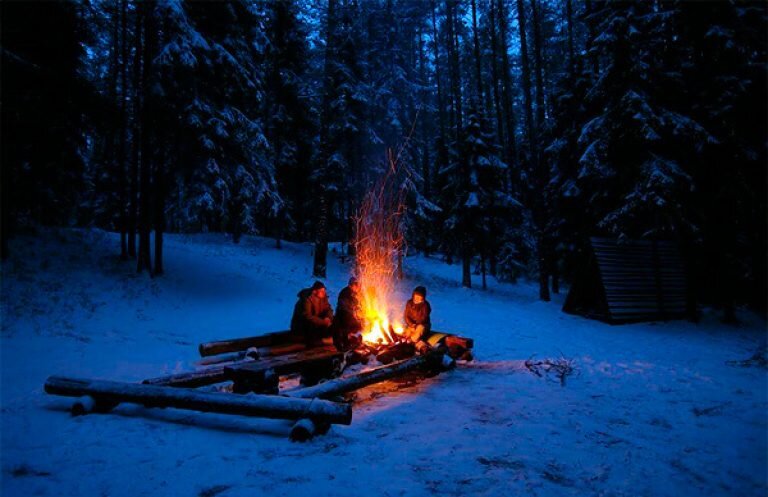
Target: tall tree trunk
[[540, 174], [476, 52], [555, 272], [321, 234], [123, 129], [442, 142], [482, 268], [160, 193], [539, 72], [425, 158], [510, 123], [593, 56], [497, 82], [321, 239], [111, 152], [526, 76], [569, 30], [144, 259], [135, 134], [453, 52]]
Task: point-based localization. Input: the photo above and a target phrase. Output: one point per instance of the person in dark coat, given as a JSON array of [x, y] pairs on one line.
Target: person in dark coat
[[416, 316], [312, 315], [347, 322]]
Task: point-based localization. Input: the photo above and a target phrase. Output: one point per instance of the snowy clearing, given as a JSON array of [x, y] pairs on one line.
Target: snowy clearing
[[653, 409]]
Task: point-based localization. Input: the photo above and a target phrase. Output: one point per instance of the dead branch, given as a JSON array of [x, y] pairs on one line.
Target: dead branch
[[561, 368]]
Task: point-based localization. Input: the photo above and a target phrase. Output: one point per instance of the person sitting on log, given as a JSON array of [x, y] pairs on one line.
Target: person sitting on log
[[346, 322], [416, 316], [312, 315]]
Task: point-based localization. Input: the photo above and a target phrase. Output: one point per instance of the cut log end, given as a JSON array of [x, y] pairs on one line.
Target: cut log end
[[83, 405], [88, 404], [303, 430]]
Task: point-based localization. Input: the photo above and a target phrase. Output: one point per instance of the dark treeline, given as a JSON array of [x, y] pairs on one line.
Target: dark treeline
[[529, 126]]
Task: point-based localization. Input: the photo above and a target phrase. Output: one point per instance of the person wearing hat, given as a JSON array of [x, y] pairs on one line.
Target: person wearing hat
[[416, 316], [347, 322], [312, 315]]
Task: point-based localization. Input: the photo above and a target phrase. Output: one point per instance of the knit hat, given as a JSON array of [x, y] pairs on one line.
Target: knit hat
[[317, 285], [421, 291]]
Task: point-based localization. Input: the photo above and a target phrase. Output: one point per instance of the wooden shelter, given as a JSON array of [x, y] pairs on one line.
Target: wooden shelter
[[629, 281]]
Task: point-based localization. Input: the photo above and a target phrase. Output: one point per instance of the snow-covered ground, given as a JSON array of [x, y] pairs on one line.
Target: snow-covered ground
[[654, 409]]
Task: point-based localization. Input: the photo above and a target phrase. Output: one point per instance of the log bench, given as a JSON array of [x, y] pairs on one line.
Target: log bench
[[252, 372], [108, 394], [282, 342], [263, 376], [239, 344]]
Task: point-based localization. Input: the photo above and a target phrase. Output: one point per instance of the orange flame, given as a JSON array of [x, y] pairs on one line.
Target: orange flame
[[379, 243]]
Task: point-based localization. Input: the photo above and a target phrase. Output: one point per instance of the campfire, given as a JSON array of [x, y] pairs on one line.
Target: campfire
[[379, 246]]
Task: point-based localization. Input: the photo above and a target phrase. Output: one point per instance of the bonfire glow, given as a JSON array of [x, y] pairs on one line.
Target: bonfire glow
[[378, 245]]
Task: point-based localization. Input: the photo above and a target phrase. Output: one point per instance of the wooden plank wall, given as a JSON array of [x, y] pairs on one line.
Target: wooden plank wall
[[643, 280]]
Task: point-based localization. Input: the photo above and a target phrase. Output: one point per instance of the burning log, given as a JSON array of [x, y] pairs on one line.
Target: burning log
[[266, 406], [396, 352], [239, 344], [433, 360]]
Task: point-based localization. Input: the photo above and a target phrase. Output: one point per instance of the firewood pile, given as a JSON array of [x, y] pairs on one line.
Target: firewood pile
[[257, 366]]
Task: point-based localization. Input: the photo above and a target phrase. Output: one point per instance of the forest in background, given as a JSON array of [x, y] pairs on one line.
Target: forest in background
[[528, 126]]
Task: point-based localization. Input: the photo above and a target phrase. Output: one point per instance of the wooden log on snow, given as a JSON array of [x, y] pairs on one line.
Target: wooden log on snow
[[191, 379], [283, 364], [458, 346], [266, 406], [87, 404], [252, 353], [238, 344], [318, 361], [433, 360]]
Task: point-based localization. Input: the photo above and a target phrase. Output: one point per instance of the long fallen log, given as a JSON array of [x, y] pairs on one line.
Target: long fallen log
[[266, 406], [433, 360], [238, 344], [252, 353], [283, 364]]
